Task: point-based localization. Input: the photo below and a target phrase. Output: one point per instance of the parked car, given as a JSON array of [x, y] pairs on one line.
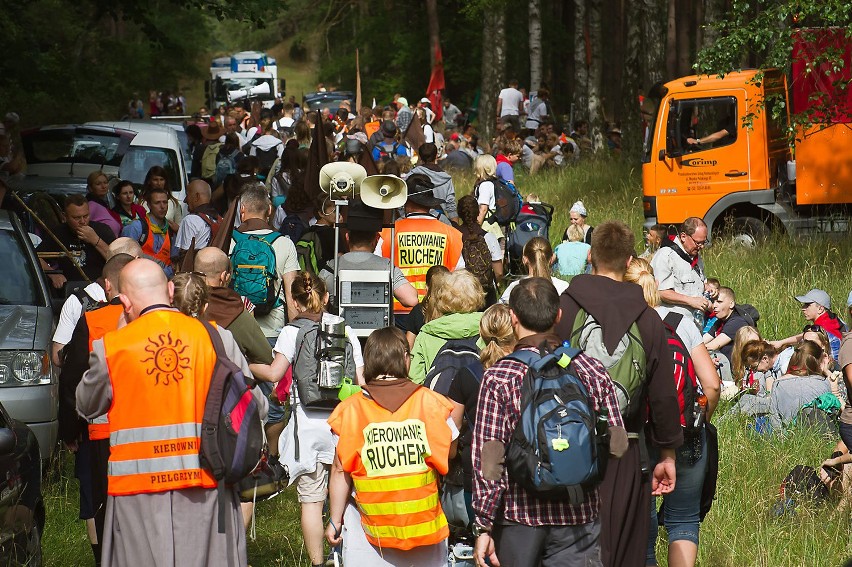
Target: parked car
[[73, 150], [22, 511], [328, 99], [28, 380]]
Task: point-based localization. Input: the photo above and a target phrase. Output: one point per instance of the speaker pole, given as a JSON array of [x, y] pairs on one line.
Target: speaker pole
[[337, 205]]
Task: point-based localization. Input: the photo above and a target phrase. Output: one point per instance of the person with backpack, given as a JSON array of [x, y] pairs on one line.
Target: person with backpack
[[538, 259], [496, 332], [204, 155], [442, 181], [454, 331], [227, 159], [263, 262], [516, 524], [499, 202], [480, 250], [695, 375], [153, 376], [608, 319], [306, 445], [395, 438], [388, 148], [266, 146]]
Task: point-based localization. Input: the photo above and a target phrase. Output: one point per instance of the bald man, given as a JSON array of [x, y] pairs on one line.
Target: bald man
[[90, 297], [151, 378], [203, 219]]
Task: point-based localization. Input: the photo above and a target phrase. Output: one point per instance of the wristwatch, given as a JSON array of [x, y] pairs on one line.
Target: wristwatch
[[479, 530]]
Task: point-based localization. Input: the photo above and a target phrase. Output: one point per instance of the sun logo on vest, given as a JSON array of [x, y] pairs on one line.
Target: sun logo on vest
[[166, 363]]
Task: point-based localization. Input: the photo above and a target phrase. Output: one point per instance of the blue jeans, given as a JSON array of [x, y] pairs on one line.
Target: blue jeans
[[683, 506]]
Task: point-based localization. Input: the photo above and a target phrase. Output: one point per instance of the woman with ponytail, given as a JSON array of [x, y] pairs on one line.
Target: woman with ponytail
[[496, 332], [538, 259], [191, 294], [804, 381], [681, 507], [488, 267], [315, 443]]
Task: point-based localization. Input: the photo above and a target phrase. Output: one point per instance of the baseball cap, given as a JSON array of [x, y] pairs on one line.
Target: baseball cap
[[425, 100], [815, 296]]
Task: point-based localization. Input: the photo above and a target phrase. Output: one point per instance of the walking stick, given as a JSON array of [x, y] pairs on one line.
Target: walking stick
[[49, 232]]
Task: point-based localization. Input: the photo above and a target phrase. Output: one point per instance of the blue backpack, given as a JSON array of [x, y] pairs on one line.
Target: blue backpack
[[560, 444], [254, 270]]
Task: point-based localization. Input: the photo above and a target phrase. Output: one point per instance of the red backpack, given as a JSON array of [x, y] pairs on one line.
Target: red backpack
[[686, 382]]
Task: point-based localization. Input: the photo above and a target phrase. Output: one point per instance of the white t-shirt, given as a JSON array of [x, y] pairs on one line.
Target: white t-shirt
[[72, 309], [512, 99], [560, 285], [192, 226], [493, 247], [686, 329], [485, 194]]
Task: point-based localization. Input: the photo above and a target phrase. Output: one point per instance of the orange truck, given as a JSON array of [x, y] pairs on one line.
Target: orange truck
[[715, 151]]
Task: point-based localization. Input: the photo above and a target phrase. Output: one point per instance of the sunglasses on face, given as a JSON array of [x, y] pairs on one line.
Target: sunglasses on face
[[811, 329]]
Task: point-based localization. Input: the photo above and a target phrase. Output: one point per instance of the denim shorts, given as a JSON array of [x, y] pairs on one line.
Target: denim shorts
[[681, 508]]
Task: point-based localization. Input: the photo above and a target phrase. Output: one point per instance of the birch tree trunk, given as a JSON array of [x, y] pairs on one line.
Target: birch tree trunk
[[535, 44], [434, 29], [581, 65], [631, 127], [493, 69], [596, 122]]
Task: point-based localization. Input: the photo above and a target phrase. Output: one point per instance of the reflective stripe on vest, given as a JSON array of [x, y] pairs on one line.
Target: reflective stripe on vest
[[160, 367], [421, 242], [394, 460], [163, 256], [100, 321]]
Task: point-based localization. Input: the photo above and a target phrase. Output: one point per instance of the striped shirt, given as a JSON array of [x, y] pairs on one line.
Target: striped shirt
[[497, 414]]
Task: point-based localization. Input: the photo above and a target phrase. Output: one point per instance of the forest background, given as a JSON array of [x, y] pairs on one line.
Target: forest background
[[84, 59]]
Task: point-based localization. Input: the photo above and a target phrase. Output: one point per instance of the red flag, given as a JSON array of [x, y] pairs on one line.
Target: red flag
[[436, 85]]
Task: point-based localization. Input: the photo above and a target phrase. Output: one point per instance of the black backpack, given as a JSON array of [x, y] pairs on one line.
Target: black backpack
[[454, 355], [748, 312], [293, 226], [507, 202], [231, 430]]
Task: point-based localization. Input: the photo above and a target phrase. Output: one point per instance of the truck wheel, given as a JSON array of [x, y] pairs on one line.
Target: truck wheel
[[746, 231]]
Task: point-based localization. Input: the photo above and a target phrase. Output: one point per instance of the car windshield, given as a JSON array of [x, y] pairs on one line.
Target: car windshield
[[18, 281], [139, 159], [77, 145], [223, 86]]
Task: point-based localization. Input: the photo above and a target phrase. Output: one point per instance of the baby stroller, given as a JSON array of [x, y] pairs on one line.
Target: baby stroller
[[533, 220]]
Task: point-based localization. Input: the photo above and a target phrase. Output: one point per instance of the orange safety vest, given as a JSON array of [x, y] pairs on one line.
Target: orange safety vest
[[160, 367], [371, 128], [394, 460], [420, 244], [164, 255], [100, 322]]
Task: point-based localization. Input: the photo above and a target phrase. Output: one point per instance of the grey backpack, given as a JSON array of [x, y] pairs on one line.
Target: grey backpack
[[314, 352]]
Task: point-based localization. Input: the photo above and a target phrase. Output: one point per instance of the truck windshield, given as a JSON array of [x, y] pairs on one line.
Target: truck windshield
[[139, 159], [236, 84]]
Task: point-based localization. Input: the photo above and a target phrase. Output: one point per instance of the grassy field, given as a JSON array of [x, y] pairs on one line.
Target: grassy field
[[740, 529]]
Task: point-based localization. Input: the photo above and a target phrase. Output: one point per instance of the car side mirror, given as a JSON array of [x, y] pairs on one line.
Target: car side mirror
[[8, 439]]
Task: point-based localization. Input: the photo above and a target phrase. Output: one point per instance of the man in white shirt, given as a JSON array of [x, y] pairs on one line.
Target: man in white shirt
[[202, 220], [510, 105]]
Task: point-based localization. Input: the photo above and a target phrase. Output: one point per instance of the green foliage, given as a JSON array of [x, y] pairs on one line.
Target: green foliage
[[764, 31]]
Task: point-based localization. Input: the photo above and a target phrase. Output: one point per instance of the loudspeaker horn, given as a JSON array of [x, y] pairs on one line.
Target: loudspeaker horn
[[341, 178], [384, 191], [257, 90]]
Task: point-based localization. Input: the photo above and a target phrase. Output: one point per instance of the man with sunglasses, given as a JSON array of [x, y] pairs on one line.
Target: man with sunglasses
[[680, 271]]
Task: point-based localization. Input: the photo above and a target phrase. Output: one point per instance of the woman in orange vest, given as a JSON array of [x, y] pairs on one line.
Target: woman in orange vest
[[394, 440]]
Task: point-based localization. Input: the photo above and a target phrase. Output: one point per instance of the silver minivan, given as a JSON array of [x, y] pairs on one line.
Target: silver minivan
[[29, 387]]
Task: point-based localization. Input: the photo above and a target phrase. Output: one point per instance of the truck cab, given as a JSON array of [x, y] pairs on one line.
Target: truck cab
[[250, 74], [718, 150]]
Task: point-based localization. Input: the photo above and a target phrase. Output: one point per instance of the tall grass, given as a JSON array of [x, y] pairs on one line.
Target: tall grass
[[740, 529]]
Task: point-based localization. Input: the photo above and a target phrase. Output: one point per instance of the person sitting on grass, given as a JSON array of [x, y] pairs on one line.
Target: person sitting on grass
[[803, 383], [721, 341], [572, 255], [816, 308]]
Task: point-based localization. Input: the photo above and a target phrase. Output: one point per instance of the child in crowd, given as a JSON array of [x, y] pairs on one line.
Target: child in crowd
[[711, 292]]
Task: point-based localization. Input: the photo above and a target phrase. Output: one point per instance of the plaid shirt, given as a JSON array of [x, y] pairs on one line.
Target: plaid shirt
[[497, 414]]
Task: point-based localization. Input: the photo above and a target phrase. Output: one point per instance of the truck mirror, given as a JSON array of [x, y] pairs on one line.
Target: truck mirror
[[283, 88], [662, 156], [673, 147]]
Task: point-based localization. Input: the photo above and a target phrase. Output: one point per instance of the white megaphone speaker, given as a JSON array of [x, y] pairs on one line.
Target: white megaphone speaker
[[384, 192], [341, 179], [257, 90]]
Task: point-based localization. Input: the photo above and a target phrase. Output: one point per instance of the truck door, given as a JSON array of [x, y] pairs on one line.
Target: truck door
[[706, 156]]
